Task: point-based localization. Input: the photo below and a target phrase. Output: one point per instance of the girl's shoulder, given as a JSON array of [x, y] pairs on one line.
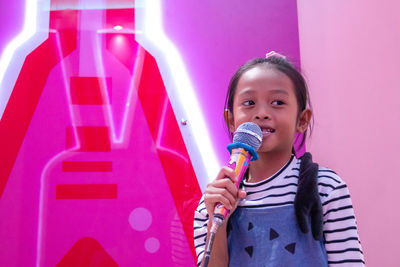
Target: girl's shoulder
[[329, 181]]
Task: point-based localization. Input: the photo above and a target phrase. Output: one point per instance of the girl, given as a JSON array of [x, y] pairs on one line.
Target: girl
[[261, 229]]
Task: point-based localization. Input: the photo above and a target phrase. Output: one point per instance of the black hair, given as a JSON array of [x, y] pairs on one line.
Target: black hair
[[281, 64]]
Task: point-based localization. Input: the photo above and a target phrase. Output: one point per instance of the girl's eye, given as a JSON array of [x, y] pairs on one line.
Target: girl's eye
[[277, 102], [248, 103]]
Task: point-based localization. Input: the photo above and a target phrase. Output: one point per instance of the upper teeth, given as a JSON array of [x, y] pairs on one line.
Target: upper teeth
[[268, 130]]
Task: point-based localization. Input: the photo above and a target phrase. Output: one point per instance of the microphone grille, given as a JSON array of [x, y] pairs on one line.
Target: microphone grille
[[248, 133]]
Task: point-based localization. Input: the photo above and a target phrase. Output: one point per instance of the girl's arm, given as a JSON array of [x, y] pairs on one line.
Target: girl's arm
[[219, 253], [200, 230], [342, 242], [202, 224], [221, 190]]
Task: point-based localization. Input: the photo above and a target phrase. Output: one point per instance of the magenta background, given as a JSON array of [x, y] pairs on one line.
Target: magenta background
[[349, 53]]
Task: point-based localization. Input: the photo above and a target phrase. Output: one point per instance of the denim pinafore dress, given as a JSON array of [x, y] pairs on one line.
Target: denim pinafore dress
[[270, 237]]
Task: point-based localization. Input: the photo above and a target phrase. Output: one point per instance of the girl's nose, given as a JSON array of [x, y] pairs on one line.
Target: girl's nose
[[262, 113], [265, 117]]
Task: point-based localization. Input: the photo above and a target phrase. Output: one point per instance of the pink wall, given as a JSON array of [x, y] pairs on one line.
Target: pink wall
[[350, 55]]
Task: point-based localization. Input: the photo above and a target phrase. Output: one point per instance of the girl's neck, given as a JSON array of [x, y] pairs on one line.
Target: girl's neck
[[266, 166]]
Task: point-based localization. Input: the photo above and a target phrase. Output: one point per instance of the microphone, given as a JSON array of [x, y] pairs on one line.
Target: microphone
[[246, 141]]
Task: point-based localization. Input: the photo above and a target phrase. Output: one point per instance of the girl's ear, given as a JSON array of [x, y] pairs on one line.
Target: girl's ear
[[228, 117], [304, 120]]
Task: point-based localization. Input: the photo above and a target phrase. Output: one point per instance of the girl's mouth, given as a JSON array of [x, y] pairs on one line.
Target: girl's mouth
[[267, 130]]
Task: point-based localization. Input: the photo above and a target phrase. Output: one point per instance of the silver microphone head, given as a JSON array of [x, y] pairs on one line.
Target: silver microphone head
[[250, 134]]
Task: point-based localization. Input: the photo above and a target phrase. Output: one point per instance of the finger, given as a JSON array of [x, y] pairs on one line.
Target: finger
[[213, 199], [219, 194], [226, 184], [242, 194], [226, 172], [232, 198]]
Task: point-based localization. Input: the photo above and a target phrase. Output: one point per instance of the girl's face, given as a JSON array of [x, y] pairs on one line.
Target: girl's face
[[267, 97]]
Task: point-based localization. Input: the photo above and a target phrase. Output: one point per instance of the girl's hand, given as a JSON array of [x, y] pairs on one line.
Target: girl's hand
[[223, 190]]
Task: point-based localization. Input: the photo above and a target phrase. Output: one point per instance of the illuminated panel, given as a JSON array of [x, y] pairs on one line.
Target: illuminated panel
[[180, 90], [142, 141]]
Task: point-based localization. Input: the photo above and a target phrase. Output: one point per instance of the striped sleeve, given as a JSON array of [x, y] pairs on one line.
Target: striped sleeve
[[342, 242], [200, 230]]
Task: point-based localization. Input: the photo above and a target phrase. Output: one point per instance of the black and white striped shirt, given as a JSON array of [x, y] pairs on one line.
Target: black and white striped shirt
[[341, 239]]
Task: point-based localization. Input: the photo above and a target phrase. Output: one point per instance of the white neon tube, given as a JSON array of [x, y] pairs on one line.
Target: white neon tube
[[180, 91], [11, 60]]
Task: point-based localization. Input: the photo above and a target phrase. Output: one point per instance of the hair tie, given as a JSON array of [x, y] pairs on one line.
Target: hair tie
[[274, 54]]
